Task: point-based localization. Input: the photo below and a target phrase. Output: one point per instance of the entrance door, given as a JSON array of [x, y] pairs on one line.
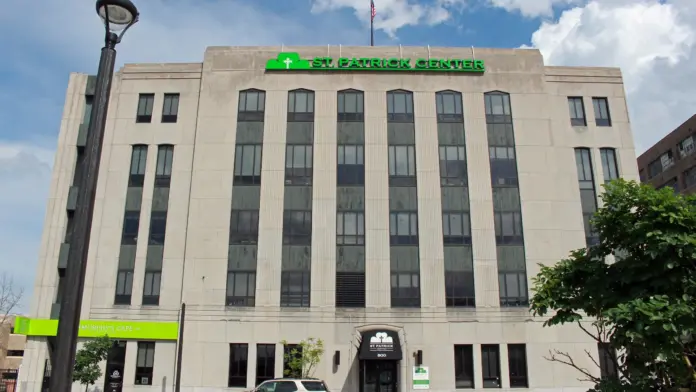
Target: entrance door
[[379, 376]]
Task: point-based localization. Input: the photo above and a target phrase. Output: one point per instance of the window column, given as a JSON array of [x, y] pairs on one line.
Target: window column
[[158, 225], [246, 195], [588, 195], [350, 201], [403, 201], [507, 209], [456, 222], [610, 166], [131, 225], [297, 205]]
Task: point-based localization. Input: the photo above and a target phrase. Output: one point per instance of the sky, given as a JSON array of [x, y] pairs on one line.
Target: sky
[[652, 41]]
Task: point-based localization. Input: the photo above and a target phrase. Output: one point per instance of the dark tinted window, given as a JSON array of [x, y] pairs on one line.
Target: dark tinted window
[[314, 386], [350, 106]]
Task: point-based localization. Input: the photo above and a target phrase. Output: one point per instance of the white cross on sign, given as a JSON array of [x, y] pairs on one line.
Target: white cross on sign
[[287, 63]]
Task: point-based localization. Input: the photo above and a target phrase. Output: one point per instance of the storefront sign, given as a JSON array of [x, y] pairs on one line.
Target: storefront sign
[[152, 330], [421, 377], [291, 61], [380, 344]]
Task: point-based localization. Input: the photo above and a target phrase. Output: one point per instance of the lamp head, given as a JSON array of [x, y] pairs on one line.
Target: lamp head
[[117, 15]]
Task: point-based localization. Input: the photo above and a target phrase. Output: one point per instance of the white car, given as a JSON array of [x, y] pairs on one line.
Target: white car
[[292, 385]]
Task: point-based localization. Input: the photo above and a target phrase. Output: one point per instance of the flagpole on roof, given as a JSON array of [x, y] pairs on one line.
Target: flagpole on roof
[[372, 20]]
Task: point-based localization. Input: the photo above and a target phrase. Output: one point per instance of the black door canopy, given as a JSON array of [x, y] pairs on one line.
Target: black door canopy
[[380, 344]]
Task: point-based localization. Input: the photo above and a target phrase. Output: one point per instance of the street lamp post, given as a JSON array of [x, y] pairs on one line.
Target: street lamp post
[[118, 16]]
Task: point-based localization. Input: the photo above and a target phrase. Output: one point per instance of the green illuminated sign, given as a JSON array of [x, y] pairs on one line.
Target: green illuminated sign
[[144, 330], [291, 61]]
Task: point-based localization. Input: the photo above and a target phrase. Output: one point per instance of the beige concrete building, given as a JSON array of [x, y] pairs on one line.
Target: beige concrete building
[[11, 345], [396, 214]]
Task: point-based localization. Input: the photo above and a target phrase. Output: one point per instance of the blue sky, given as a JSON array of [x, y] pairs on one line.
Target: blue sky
[[653, 41]]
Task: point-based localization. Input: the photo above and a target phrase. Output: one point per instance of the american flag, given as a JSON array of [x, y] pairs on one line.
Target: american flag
[[373, 11]]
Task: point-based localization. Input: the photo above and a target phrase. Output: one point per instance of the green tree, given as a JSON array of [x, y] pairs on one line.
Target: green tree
[[641, 301], [302, 359], [88, 358]]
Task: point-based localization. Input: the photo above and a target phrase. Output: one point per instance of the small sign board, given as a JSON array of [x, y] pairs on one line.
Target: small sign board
[[421, 377]]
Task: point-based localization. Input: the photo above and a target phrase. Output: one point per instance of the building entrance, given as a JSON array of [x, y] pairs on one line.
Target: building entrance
[[379, 376]]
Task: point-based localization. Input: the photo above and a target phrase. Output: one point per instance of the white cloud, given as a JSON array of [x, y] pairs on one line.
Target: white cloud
[[654, 44], [532, 8]]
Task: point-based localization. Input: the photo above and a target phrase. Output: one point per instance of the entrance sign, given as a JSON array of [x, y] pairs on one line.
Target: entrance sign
[[421, 377], [150, 330], [291, 61], [380, 344]]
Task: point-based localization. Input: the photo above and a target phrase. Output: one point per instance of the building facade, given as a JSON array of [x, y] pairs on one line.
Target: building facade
[[396, 214], [672, 161]]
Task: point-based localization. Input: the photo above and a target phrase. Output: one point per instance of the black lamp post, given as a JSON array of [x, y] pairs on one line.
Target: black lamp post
[[118, 16]]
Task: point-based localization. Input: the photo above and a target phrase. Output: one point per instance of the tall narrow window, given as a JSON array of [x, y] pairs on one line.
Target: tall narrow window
[[351, 165], [507, 207], [609, 165], [298, 164], [297, 227], [301, 106], [456, 228], [89, 101], [402, 165], [145, 363], [244, 227], [400, 106], [403, 228], [241, 288], [247, 166], [453, 170], [350, 228], [601, 111], [577, 112], [137, 167], [252, 105], [145, 104], [588, 197], [350, 106], [608, 364], [517, 366], [449, 107], [265, 362], [490, 364], [237, 373], [295, 288], [464, 366], [170, 108], [163, 172]]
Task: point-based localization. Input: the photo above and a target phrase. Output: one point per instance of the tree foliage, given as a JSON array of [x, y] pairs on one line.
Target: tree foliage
[[641, 301], [302, 359], [88, 358], [10, 297]]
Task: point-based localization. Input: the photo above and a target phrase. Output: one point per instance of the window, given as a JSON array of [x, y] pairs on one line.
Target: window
[[608, 365], [503, 166], [690, 177], [137, 167], [497, 107], [131, 223], [577, 112], [350, 289], [350, 228], [151, 291], [351, 165], [298, 164], [241, 288], [686, 146], [402, 165], [124, 286], [513, 288], [291, 352], [405, 289], [667, 160], [252, 105], [297, 227], [278, 386], [86, 116], [244, 227], [453, 165], [145, 103], [163, 172], [403, 228], [15, 353], [456, 228], [490, 362], [318, 386], [265, 362], [588, 197], [400, 106], [294, 289], [672, 183], [609, 165], [508, 228], [237, 373], [301, 106], [459, 289], [170, 109], [158, 227], [144, 363], [601, 112], [350, 106], [247, 165], [449, 107], [464, 366], [517, 365]]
